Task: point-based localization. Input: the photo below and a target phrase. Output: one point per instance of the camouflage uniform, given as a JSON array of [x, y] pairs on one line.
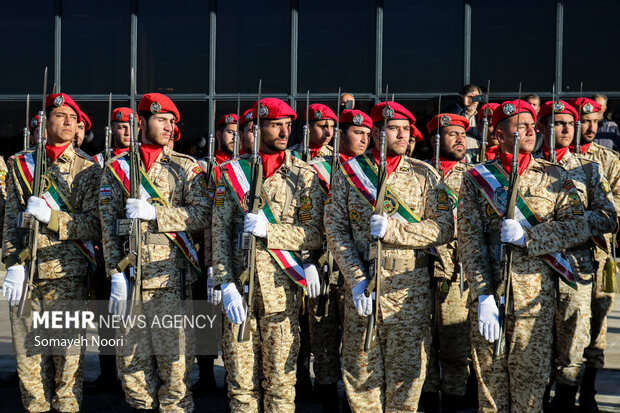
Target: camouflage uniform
[[326, 150], [152, 376], [272, 349], [452, 351], [603, 302], [390, 376], [517, 381], [48, 381], [3, 175], [572, 318]]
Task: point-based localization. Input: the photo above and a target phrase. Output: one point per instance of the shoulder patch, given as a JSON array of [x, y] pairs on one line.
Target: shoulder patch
[[305, 203], [569, 185], [443, 201], [198, 170], [605, 186]]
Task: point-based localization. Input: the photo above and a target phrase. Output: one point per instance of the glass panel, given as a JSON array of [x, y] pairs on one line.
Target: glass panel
[[12, 122], [95, 46]]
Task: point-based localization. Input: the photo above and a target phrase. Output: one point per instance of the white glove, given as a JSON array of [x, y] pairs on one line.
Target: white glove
[[313, 285], [512, 232], [255, 224], [233, 303], [13, 285], [378, 225], [363, 304], [141, 209], [39, 209], [488, 317], [118, 294], [213, 296]]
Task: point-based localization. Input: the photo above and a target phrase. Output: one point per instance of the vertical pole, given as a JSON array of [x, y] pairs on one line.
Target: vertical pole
[[294, 48], [133, 47], [57, 43], [378, 50], [467, 43], [559, 43], [212, 53]]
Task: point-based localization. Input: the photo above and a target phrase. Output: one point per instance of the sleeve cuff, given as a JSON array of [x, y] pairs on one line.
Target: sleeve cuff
[[53, 225]]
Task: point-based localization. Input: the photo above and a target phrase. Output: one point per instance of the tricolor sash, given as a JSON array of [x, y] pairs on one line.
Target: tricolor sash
[[120, 169], [54, 198], [238, 179], [323, 170], [492, 181]]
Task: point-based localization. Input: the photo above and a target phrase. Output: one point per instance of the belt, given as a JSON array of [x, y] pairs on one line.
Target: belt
[[404, 264], [156, 238]]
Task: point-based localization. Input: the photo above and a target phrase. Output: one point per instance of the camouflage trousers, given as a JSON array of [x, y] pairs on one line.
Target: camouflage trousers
[[516, 382], [601, 306], [269, 357], [452, 350], [326, 334], [388, 378], [572, 331], [49, 380], [154, 364]]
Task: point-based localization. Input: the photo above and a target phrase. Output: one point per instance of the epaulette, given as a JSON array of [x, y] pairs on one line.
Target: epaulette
[[116, 157], [299, 163], [177, 156], [84, 155], [605, 149]]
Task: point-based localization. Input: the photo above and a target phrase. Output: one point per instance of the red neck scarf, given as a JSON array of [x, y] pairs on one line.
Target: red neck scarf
[[272, 162], [149, 154], [392, 161], [491, 152], [446, 165], [54, 152], [116, 151], [584, 148], [221, 157], [524, 161], [559, 153], [344, 157], [314, 150]]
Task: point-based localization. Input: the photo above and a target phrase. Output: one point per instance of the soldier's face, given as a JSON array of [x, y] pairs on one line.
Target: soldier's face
[[321, 132], [589, 125], [274, 135], [246, 137], [120, 134], [564, 130], [411, 146], [79, 135], [527, 133], [355, 141], [452, 142], [490, 133], [225, 138], [61, 125], [603, 102], [397, 133], [535, 103], [159, 128]]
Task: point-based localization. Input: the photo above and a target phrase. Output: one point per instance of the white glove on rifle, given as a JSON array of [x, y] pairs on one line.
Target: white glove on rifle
[[118, 294], [39, 209], [233, 303], [313, 285], [213, 296], [378, 225], [140, 209], [488, 317], [13, 285], [255, 224], [363, 304], [513, 233]]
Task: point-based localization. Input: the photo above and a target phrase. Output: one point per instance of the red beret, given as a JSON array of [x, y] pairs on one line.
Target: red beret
[[559, 107], [587, 105], [176, 133], [396, 111], [246, 117], [447, 119], [227, 119], [415, 132], [487, 109], [273, 108], [86, 120], [62, 99], [510, 108], [318, 111], [34, 122], [355, 117], [158, 103], [121, 114]]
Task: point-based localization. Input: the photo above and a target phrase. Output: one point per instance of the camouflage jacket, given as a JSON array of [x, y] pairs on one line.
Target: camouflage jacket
[[3, 177], [610, 168], [326, 150]]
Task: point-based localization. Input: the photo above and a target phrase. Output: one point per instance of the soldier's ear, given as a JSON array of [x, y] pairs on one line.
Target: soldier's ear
[[141, 122]]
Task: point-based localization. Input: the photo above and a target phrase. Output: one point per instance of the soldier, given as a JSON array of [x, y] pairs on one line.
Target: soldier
[[322, 121], [492, 142], [572, 319], [416, 136], [355, 128], [154, 370], [246, 136], [390, 376], [292, 197], [516, 381], [603, 301], [119, 123], [67, 211], [226, 126], [83, 127], [3, 175], [451, 350]]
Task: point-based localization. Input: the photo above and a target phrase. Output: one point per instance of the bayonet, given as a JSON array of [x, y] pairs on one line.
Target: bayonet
[[27, 127], [552, 154], [305, 143], [482, 156], [578, 123]]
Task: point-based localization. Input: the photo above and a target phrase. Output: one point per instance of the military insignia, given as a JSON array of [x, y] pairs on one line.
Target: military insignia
[[119, 116], [164, 159], [605, 187], [328, 200], [246, 201], [47, 183], [354, 216], [403, 169], [105, 191], [34, 123], [574, 199], [198, 170], [491, 211], [558, 107], [390, 204], [588, 108], [263, 111], [304, 217], [509, 109], [318, 115], [500, 197], [229, 119], [59, 101], [284, 169], [569, 185], [306, 203], [459, 215], [388, 113], [156, 201], [445, 120], [358, 119], [155, 107], [577, 212], [248, 116]]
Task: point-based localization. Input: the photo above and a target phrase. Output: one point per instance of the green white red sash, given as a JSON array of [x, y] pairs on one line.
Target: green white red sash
[[53, 197], [120, 169], [238, 178], [323, 169], [492, 181]]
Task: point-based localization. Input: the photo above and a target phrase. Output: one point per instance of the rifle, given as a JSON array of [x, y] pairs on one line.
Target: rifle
[[27, 127], [209, 160], [578, 124], [505, 284], [248, 241], [305, 142], [375, 248], [552, 155], [437, 141], [236, 132], [28, 255], [326, 262], [107, 150], [482, 155]]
